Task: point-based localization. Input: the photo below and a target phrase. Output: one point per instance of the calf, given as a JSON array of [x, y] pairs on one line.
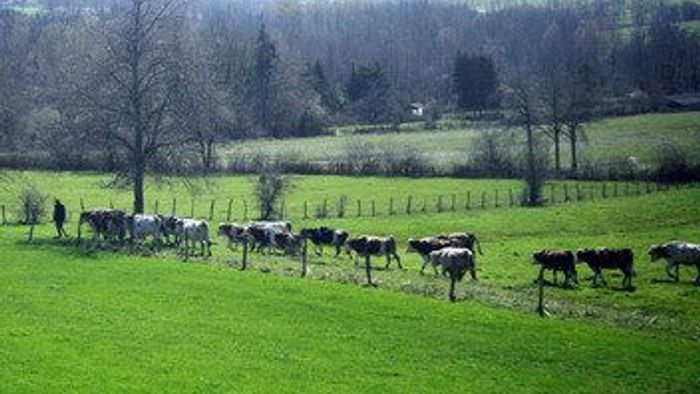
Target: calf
[[462, 240], [604, 258], [367, 246], [455, 262], [193, 231], [424, 247], [557, 260], [234, 234], [325, 236], [677, 253]]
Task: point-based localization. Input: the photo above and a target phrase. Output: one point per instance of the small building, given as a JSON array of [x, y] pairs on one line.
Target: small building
[[687, 101], [417, 109]]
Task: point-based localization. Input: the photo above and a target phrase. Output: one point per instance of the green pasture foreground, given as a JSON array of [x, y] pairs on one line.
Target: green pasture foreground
[[606, 140], [108, 322]]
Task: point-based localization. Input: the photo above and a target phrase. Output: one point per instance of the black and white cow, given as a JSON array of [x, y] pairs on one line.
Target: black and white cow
[[325, 236], [424, 247], [462, 240], [366, 246], [192, 232], [556, 260], [677, 253], [235, 234]]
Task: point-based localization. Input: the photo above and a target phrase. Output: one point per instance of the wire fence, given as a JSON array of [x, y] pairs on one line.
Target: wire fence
[[344, 207]]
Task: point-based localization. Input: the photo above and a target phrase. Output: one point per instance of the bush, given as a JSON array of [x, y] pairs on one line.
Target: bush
[[270, 188], [32, 207], [673, 165], [492, 154]]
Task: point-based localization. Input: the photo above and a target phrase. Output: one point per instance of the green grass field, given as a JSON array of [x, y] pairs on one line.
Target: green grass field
[[75, 319], [607, 140]]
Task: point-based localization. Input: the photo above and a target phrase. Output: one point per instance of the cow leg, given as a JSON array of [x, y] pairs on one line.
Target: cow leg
[[697, 279], [452, 288], [388, 261], [669, 268], [398, 260], [318, 250], [554, 271], [472, 272]]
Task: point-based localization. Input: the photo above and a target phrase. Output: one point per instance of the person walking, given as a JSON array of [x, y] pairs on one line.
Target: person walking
[[59, 218]]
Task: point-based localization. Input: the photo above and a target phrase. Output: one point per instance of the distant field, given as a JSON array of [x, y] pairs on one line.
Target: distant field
[[607, 140], [74, 319]]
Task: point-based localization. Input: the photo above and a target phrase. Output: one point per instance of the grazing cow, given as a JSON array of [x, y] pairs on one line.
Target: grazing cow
[[141, 226], [425, 246], [557, 260], [455, 262], [234, 233], [603, 258], [258, 237], [367, 246], [677, 253], [193, 231], [262, 234], [325, 236], [462, 240]]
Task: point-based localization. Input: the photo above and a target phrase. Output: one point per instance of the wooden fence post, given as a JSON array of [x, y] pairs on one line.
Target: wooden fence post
[[111, 204], [627, 188], [82, 205], [541, 309], [424, 209], [578, 192], [306, 209], [566, 192], [615, 189], [2, 210], [591, 190], [229, 210], [359, 208], [245, 210], [192, 208], [648, 188], [211, 210], [483, 200], [374, 212], [408, 204], [439, 204], [391, 205], [282, 210], [325, 207], [468, 204], [303, 259], [551, 194], [605, 190], [496, 196], [244, 262], [454, 201], [174, 207]]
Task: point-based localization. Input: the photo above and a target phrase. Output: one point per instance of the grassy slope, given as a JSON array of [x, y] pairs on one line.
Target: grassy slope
[[637, 136], [75, 323]]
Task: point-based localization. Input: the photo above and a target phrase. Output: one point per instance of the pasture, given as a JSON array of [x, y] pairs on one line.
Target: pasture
[[607, 140], [76, 316]]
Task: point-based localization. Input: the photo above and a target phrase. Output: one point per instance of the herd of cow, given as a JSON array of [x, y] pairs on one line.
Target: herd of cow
[[453, 253]]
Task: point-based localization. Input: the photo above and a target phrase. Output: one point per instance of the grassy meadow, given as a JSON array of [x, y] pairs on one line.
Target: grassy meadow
[[606, 140], [76, 318]]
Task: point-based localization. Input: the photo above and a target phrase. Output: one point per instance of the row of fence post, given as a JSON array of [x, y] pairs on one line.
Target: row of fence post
[[441, 203]]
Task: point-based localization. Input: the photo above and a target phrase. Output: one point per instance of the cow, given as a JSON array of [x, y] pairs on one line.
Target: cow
[[235, 234], [169, 228], [424, 247], [108, 223], [191, 232], [677, 253], [288, 242], [366, 246], [604, 258], [141, 226], [462, 240], [557, 260], [455, 262], [325, 236]]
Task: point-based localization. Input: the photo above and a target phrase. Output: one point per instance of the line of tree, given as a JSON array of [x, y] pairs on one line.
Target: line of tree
[[142, 85]]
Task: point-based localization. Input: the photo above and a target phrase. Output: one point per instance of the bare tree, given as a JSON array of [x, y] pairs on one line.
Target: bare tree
[[135, 81], [32, 205]]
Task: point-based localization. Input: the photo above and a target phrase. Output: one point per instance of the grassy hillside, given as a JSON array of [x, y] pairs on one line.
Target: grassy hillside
[[74, 322], [608, 139]]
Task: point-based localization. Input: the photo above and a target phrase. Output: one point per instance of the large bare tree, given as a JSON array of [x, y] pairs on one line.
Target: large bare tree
[[134, 82]]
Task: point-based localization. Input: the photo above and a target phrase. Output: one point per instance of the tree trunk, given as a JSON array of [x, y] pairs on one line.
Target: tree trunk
[[139, 173], [573, 139], [557, 149]]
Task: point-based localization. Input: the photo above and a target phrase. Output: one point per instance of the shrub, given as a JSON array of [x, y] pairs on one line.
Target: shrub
[[673, 165], [32, 206], [270, 188]]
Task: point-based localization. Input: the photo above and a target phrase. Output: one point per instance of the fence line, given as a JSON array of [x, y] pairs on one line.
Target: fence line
[[554, 194]]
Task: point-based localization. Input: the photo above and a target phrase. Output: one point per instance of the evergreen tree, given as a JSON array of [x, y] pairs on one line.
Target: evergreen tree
[[367, 89], [474, 81], [262, 84]]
